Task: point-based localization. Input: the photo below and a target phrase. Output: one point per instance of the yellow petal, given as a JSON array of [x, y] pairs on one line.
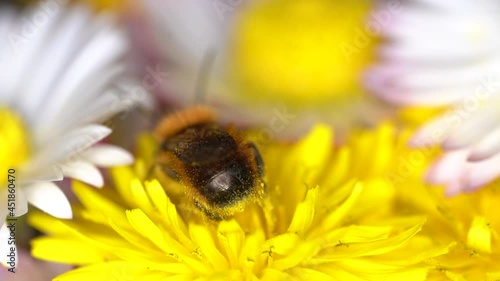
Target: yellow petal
[[493, 276], [119, 271], [311, 274], [122, 177], [271, 274], [359, 269], [231, 237], [157, 195], [141, 199], [251, 255], [47, 224], [66, 251], [304, 213], [168, 212], [335, 218], [142, 224], [357, 234], [341, 167], [316, 147], [201, 236], [479, 236], [282, 244], [95, 200], [374, 248], [303, 251]]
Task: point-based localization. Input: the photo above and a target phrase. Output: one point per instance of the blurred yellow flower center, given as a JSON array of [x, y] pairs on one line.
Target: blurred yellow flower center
[[301, 50], [15, 148], [113, 5]]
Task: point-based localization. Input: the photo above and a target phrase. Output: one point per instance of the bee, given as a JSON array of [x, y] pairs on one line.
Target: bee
[[219, 168]]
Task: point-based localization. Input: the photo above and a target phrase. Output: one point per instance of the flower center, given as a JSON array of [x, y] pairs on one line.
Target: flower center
[[15, 148], [301, 50]]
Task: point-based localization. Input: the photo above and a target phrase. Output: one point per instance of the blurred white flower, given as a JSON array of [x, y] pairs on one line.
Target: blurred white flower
[[60, 70], [275, 64], [447, 53]]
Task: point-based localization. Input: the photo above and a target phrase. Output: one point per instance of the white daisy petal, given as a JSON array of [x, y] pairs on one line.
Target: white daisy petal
[[433, 133], [49, 198], [57, 52], [105, 155], [56, 71], [478, 123], [79, 140], [84, 172], [103, 107], [446, 169], [101, 80], [99, 84], [104, 48], [67, 148], [26, 40], [479, 174], [51, 173], [21, 202], [18, 207], [487, 147], [447, 53], [7, 18]]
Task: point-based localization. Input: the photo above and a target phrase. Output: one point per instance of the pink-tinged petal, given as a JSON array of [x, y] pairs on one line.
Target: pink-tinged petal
[[448, 168], [453, 188], [481, 173], [105, 155], [434, 132], [49, 198]]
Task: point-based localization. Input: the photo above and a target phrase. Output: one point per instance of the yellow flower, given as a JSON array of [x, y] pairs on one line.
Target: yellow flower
[[306, 228], [469, 223], [472, 224], [301, 50], [461, 231]]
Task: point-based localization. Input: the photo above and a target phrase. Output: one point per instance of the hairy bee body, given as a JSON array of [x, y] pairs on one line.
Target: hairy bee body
[[219, 168]]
